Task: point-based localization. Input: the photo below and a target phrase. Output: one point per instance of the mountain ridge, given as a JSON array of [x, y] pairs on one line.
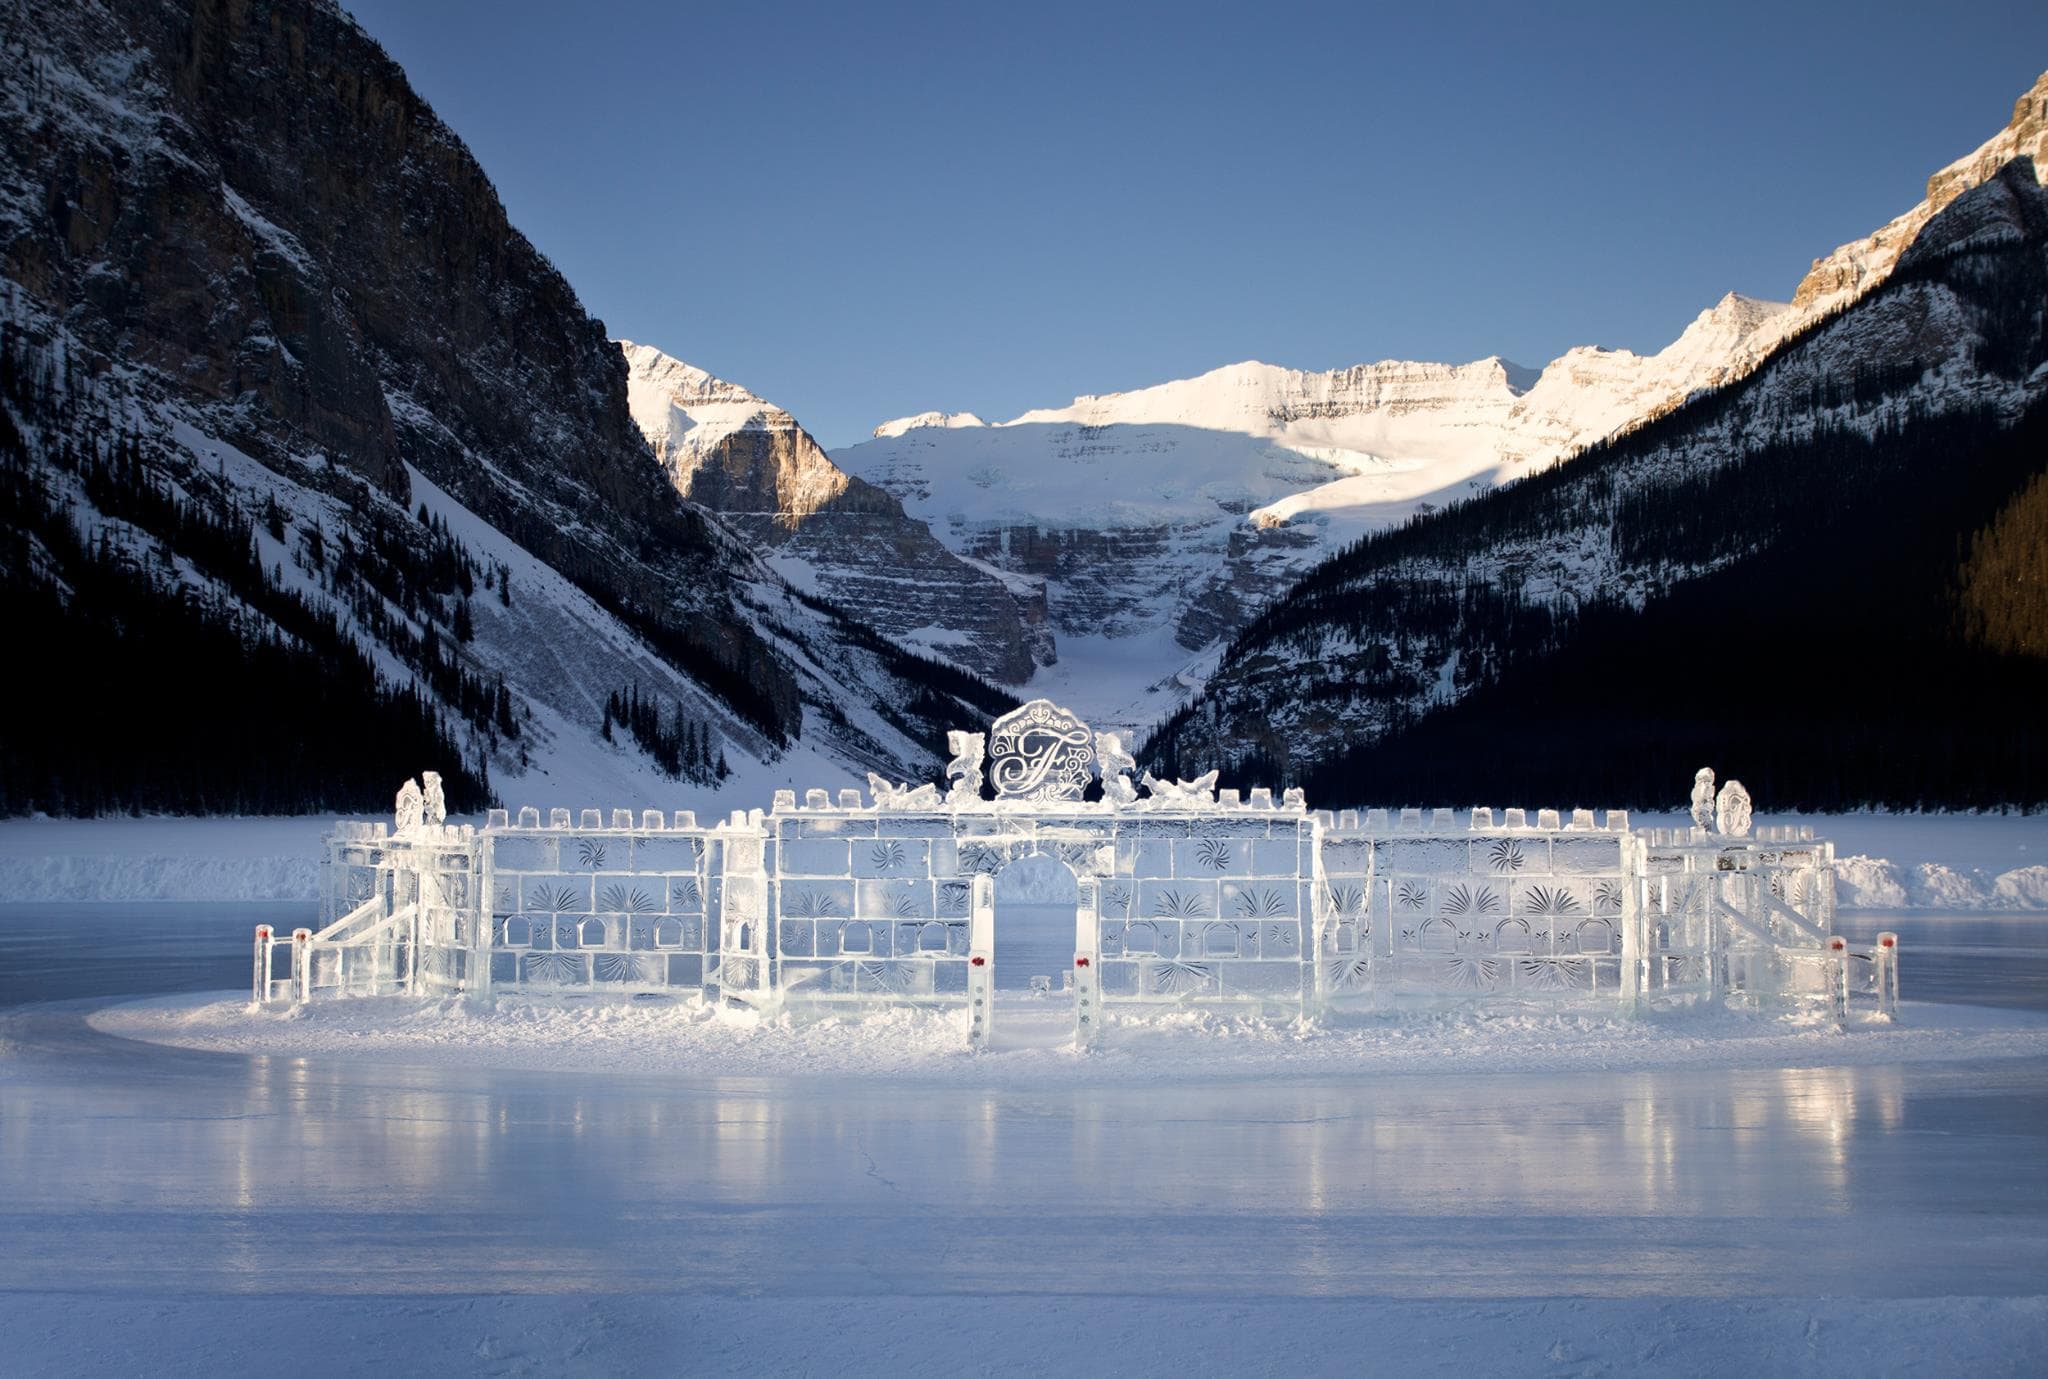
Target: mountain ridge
[[1844, 474]]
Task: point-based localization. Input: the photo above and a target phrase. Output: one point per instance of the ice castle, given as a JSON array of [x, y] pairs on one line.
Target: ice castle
[[1184, 895]]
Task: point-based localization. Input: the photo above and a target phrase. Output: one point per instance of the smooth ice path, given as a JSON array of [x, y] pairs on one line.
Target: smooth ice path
[[183, 1211], [137, 1167]]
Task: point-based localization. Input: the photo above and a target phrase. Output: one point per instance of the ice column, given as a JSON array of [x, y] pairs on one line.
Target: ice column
[[1087, 935], [981, 971]]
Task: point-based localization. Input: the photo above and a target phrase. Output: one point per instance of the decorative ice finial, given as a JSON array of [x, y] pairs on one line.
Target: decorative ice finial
[[889, 795], [1731, 810], [1703, 797], [1182, 794], [434, 807], [410, 809], [963, 772], [1115, 765], [1039, 752]]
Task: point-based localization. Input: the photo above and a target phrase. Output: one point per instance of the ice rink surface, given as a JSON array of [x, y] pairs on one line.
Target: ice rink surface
[[175, 1211]]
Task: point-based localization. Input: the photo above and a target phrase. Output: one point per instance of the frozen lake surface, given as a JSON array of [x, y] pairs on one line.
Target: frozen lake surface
[[179, 1211]]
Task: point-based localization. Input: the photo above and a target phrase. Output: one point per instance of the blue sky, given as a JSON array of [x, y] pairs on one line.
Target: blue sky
[[862, 211]]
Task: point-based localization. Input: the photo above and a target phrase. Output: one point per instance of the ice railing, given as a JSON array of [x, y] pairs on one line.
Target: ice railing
[[398, 914]]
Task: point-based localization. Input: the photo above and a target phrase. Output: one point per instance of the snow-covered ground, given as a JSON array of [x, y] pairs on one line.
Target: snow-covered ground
[[705, 1040], [1885, 861]]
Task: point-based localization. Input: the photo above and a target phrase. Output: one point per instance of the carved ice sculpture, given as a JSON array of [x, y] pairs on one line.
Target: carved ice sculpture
[[1182, 794], [1116, 766], [889, 795], [1731, 810], [963, 772], [411, 808], [1703, 798], [1253, 908], [1039, 752]]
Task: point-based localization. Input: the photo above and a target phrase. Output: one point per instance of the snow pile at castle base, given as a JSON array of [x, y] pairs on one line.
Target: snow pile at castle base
[[692, 1036]]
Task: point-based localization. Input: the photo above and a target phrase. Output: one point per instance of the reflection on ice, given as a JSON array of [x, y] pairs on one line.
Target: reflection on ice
[[166, 1168]]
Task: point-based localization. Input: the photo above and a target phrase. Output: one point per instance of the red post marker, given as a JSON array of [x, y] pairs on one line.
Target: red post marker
[[1838, 944], [978, 962], [263, 931], [1888, 941], [1080, 962]]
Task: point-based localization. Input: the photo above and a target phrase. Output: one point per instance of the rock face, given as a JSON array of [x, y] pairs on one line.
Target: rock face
[[749, 461], [1861, 264], [238, 247]]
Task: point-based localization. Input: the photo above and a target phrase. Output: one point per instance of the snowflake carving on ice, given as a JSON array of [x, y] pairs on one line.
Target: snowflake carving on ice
[[1039, 752]]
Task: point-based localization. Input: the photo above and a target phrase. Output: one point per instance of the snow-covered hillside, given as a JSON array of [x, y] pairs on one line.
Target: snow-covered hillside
[[1833, 538]]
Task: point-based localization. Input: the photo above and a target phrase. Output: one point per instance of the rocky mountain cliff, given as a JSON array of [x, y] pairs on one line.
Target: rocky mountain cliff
[[1810, 577], [279, 366], [1861, 264], [749, 461]]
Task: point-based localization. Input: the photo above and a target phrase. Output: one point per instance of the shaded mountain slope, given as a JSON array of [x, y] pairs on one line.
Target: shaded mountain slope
[[243, 258], [1768, 576]]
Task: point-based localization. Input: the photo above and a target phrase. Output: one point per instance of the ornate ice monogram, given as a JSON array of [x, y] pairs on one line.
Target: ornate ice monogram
[[1731, 810], [1039, 752]]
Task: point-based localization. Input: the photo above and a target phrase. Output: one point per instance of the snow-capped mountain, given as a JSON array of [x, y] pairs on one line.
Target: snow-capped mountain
[[942, 420], [823, 530], [296, 392], [1158, 521]]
